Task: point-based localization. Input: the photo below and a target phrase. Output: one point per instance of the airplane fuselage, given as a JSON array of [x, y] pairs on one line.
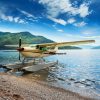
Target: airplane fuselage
[[35, 53]]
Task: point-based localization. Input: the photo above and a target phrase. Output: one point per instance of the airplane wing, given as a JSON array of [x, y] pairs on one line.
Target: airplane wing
[[56, 44], [65, 43], [16, 46]]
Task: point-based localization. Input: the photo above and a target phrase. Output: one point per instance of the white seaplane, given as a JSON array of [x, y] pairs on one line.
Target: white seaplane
[[44, 50]]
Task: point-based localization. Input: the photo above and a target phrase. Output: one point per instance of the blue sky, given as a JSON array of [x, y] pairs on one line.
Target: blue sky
[[59, 20]]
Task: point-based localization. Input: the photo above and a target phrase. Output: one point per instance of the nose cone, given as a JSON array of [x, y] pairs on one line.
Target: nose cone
[[20, 49]]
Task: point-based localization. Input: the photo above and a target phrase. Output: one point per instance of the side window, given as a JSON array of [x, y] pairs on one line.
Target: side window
[[37, 47], [41, 48]]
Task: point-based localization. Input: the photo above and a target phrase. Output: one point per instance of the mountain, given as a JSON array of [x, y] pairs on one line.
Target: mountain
[[7, 38], [97, 47], [69, 47]]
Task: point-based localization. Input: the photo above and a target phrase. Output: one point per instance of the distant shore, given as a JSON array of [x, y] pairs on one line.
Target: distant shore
[[20, 88]]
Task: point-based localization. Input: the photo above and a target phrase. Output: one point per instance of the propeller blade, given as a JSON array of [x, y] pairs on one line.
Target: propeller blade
[[19, 56], [19, 46], [20, 42]]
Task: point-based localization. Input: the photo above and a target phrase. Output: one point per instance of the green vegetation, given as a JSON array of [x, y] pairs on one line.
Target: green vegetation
[[7, 38]]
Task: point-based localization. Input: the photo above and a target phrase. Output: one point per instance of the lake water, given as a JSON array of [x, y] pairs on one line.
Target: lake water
[[78, 70]]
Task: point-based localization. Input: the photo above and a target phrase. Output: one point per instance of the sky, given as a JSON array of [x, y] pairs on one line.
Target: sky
[[59, 20]]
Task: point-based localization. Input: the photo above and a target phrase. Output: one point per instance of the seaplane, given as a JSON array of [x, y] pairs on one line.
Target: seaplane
[[41, 51], [45, 49]]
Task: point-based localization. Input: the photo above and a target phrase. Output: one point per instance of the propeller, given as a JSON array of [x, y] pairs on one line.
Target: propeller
[[19, 46]]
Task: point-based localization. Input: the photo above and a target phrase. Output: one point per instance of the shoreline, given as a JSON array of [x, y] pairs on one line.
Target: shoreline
[[20, 88]]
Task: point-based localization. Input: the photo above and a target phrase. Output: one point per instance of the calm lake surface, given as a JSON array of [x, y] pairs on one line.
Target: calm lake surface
[[78, 70]]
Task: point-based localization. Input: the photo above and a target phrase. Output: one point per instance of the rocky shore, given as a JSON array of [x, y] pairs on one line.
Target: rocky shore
[[20, 88]]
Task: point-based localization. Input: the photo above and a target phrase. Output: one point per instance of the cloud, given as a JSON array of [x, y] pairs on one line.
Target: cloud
[[5, 17], [57, 7], [33, 20], [16, 19], [60, 21], [91, 31], [71, 20], [84, 10], [27, 14], [59, 30], [80, 24], [12, 19], [21, 21], [88, 32]]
